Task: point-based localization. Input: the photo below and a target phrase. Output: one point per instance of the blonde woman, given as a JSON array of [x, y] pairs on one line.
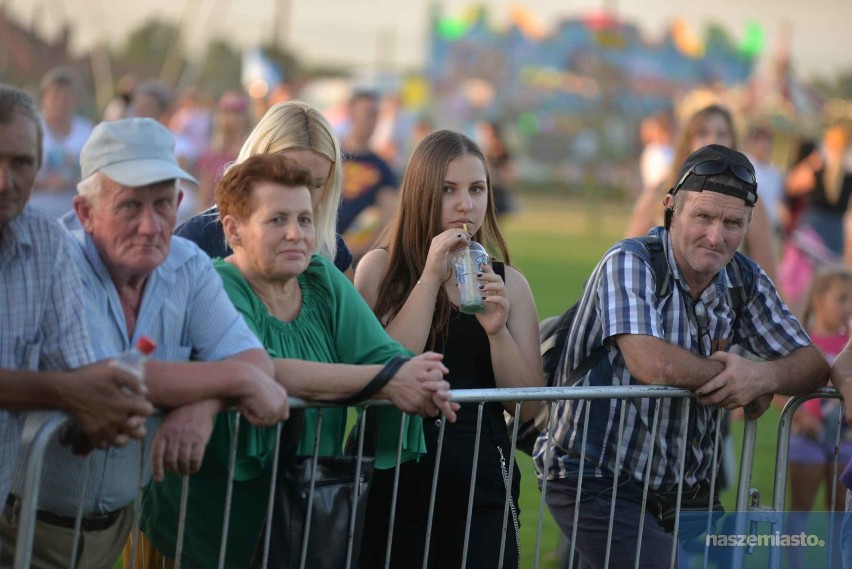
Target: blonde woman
[[296, 130]]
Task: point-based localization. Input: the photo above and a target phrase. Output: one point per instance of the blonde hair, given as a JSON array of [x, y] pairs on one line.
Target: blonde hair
[[297, 125]]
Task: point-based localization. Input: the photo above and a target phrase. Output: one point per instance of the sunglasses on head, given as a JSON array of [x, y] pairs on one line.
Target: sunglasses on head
[[716, 167]]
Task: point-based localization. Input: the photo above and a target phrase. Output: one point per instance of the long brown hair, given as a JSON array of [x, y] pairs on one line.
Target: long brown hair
[[418, 220], [683, 147]]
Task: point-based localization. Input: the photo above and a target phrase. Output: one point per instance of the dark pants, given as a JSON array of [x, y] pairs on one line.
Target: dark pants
[[446, 544], [593, 524]]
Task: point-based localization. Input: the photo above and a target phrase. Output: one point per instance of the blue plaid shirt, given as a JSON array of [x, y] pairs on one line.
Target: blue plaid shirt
[[42, 321], [620, 299], [186, 312]]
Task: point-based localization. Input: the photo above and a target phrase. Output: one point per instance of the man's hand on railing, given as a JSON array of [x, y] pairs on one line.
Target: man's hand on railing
[[758, 407], [740, 384], [419, 387], [265, 402], [178, 446], [107, 404]]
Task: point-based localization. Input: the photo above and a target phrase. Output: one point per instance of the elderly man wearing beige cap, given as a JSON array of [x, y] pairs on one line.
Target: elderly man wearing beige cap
[[139, 280]]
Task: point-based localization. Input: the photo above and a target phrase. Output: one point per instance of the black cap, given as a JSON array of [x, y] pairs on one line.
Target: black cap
[[735, 183]]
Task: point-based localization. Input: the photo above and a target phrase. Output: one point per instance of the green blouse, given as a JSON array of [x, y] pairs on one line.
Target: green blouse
[[334, 325]]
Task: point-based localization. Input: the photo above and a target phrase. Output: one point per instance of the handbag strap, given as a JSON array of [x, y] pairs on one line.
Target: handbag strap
[[294, 427], [376, 384]]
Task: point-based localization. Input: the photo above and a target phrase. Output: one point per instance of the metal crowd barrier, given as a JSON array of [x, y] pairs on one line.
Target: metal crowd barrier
[[774, 514], [35, 459]]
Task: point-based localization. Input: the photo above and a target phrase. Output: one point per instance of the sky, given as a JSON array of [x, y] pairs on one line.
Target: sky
[[368, 34]]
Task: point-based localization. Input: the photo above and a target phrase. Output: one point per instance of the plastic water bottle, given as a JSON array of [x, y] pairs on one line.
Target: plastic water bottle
[[133, 360]]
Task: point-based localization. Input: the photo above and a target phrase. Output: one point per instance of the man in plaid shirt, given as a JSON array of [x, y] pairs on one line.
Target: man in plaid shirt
[[678, 339], [42, 322]]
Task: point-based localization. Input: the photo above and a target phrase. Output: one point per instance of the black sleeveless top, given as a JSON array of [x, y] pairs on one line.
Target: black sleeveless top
[[467, 354]]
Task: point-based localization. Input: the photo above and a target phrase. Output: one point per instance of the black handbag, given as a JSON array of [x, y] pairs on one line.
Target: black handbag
[[341, 484]]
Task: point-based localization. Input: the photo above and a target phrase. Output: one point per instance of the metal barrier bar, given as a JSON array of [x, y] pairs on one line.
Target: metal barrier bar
[[431, 517], [583, 395], [472, 491], [548, 453], [617, 472], [78, 522], [508, 505], [774, 514], [396, 469], [683, 439], [267, 534], [32, 482], [645, 487]]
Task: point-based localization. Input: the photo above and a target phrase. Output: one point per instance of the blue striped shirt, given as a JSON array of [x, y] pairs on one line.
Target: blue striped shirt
[[620, 298], [42, 322], [186, 312]]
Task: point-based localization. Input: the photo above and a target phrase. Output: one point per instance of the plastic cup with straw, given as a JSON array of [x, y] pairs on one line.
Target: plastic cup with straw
[[466, 263]]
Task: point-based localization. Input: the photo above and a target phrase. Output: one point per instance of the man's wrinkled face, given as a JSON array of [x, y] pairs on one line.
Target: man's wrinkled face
[[131, 226], [706, 233]]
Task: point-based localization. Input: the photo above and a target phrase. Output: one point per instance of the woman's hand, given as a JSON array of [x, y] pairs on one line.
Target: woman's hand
[[493, 289], [438, 266], [419, 387]]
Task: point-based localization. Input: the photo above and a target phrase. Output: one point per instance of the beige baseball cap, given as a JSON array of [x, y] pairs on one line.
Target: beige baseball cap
[[133, 152]]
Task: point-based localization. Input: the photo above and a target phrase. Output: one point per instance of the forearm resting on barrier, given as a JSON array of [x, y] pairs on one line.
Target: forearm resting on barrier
[[418, 387], [653, 361]]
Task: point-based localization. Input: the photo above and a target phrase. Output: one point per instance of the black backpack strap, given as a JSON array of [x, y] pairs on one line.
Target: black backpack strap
[[662, 278], [738, 296], [659, 263]]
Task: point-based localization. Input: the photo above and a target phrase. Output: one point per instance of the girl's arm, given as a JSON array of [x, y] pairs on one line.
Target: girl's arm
[[515, 353], [410, 327]]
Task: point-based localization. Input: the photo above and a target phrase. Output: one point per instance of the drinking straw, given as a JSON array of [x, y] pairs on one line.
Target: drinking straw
[[468, 265]]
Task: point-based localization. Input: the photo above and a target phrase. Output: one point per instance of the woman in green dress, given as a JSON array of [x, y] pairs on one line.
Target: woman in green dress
[[300, 306]]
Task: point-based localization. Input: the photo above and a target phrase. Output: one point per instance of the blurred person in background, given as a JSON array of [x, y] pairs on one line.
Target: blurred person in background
[[655, 161], [826, 319], [710, 125], [796, 204], [155, 100], [393, 126], [822, 179], [119, 106], [231, 127], [369, 183], [299, 131], [192, 121], [502, 170], [65, 133], [758, 148], [821, 186]]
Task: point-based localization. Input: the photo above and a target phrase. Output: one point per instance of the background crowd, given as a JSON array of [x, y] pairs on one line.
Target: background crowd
[[800, 233]]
